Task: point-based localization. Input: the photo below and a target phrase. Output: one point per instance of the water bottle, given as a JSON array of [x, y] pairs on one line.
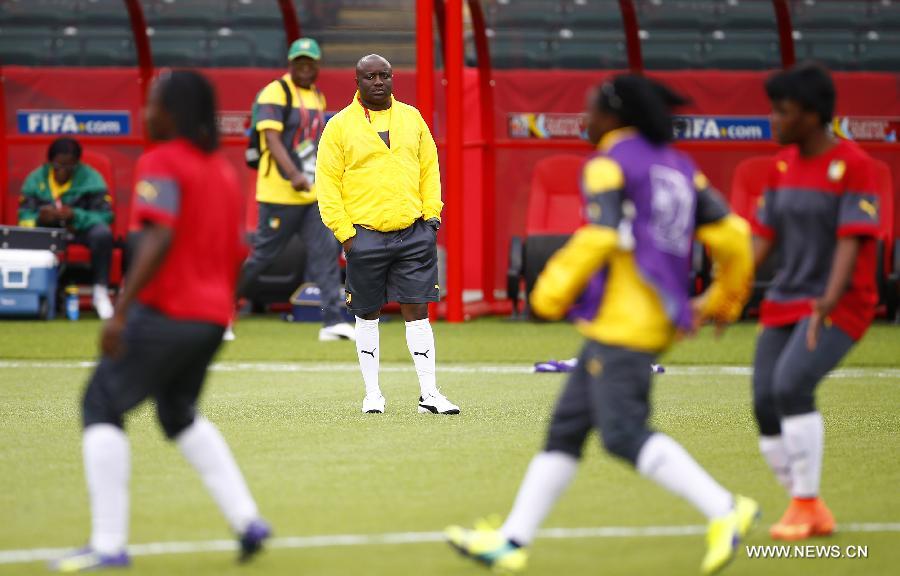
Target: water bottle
[[72, 302]]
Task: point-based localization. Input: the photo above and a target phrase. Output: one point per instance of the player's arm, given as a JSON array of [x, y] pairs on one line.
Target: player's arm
[[858, 221], [157, 208], [727, 236], [429, 174], [329, 183], [569, 270]]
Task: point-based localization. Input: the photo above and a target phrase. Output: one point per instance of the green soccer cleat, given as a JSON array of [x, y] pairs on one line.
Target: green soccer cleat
[[724, 534], [488, 546]]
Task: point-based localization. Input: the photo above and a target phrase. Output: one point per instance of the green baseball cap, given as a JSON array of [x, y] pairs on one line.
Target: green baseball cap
[[305, 47]]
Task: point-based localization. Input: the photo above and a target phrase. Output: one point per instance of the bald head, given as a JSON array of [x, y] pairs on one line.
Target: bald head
[[375, 81], [374, 59]]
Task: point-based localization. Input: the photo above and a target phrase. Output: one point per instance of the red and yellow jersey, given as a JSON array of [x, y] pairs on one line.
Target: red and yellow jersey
[[808, 204]]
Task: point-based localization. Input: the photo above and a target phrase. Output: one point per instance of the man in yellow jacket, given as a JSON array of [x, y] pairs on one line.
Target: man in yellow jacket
[[379, 190]]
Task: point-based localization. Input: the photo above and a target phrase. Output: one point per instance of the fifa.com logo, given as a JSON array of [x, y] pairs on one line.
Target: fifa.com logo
[[700, 128], [851, 552]]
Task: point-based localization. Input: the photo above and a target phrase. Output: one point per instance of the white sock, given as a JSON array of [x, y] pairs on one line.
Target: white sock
[[203, 446], [107, 468], [102, 304], [367, 343], [804, 439], [420, 340], [776, 456], [547, 477], [664, 461]]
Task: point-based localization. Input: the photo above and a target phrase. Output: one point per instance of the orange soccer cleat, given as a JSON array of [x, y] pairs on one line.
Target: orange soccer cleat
[[804, 518]]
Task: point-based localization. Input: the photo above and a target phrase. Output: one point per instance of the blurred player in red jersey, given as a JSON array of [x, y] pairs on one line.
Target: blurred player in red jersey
[[820, 212], [168, 322]]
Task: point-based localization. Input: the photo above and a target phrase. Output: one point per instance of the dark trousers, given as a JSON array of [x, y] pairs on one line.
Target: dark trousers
[[164, 359], [99, 240], [276, 225], [609, 391], [786, 373]]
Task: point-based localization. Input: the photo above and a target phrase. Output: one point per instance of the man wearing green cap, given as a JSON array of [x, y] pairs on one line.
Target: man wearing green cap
[[290, 115]]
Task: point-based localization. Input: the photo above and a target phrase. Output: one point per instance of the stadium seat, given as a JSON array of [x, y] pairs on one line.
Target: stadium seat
[[198, 13], [524, 14], [880, 56], [603, 15], [108, 48], [26, 46], [678, 15], [554, 213], [519, 49], [742, 50], [745, 15], [671, 50], [836, 49], [179, 47], [604, 53], [111, 13], [233, 50], [747, 186], [48, 13], [271, 46], [842, 16], [254, 13]]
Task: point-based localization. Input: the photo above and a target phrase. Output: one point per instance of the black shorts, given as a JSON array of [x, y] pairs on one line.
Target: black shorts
[[165, 359], [387, 267]]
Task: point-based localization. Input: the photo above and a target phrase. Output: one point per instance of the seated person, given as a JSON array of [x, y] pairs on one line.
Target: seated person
[[65, 193]]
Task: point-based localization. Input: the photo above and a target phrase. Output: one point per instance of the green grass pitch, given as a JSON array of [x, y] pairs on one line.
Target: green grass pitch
[[319, 468]]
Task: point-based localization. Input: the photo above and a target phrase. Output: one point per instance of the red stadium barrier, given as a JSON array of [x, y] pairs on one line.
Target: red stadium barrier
[[64, 90]]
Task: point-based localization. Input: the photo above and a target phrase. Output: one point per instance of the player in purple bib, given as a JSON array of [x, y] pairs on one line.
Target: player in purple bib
[[623, 279]]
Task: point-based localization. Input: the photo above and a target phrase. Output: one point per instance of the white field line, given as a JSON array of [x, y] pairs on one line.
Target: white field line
[[297, 542], [319, 367]]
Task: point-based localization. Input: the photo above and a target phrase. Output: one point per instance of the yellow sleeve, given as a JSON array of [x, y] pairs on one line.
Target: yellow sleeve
[[429, 173], [728, 240], [329, 183], [570, 269], [271, 102]]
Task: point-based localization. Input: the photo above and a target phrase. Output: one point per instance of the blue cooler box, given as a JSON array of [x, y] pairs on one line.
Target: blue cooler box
[[28, 283]]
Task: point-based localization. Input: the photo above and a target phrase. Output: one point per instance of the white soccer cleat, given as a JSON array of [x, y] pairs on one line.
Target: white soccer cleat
[[102, 304], [228, 335], [437, 403], [342, 331], [373, 405]]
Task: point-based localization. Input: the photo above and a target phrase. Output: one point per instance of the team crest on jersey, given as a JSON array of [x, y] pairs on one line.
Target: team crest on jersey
[[836, 170], [274, 223], [869, 208], [349, 298], [146, 191]]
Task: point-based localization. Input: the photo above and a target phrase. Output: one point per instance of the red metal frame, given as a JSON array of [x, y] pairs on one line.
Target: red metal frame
[[632, 38], [785, 32], [142, 45], [488, 154], [291, 24], [453, 73]]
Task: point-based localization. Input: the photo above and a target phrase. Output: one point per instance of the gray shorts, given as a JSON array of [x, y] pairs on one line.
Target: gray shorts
[[387, 267], [609, 391]]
